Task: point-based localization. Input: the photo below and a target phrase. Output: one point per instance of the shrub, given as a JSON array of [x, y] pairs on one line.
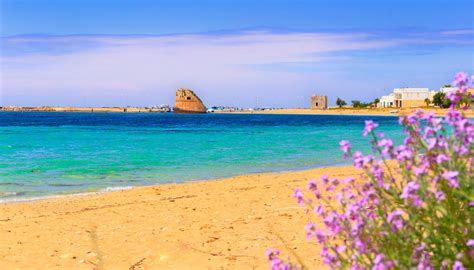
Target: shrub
[[340, 102], [440, 99], [417, 214], [355, 103]]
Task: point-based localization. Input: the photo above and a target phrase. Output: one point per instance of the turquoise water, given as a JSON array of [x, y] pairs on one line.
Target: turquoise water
[[45, 154]]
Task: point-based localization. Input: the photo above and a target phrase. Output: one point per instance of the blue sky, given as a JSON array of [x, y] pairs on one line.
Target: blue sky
[[240, 53]]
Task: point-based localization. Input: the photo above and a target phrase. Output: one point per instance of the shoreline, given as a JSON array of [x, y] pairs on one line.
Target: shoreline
[[13, 200], [290, 111], [350, 112], [60, 196], [227, 222]]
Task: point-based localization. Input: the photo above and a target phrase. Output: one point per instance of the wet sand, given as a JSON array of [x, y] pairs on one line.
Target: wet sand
[[217, 224]]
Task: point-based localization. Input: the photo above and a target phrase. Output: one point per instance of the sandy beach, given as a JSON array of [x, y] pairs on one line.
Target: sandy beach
[[351, 111], [217, 224]]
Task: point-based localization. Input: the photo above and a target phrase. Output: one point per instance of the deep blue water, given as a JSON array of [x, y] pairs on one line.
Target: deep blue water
[[60, 153]]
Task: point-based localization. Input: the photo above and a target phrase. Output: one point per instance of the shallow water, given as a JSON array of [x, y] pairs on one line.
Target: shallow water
[[45, 154]]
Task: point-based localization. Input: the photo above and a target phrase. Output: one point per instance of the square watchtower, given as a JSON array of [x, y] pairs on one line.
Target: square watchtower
[[318, 102]]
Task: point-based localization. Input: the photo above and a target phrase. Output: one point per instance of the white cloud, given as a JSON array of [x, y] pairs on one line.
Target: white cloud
[[145, 70]]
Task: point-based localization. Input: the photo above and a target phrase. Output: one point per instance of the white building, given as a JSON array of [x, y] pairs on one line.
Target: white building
[[447, 90], [387, 101], [410, 97], [406, 97]]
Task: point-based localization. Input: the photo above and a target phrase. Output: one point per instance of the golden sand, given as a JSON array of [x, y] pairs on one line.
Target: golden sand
[[216, 224], [351, 111]]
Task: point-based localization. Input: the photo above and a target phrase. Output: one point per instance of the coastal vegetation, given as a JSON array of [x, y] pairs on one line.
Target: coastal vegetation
[[440, 100], [364, 105], [340, 102], [418, 213]]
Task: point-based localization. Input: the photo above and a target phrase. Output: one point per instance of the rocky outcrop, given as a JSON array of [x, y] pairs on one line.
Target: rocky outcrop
[[188, 102]]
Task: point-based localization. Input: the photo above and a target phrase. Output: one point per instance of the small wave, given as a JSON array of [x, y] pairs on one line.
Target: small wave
[[13, 198], [110, 189], [10, 184], [65, 185], [8, 194], [126, 181]]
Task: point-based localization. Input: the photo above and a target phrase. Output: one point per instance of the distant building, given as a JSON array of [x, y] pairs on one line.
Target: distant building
[[387, 101], [447, 90], [318, 102], [410, 97], [406, 97]]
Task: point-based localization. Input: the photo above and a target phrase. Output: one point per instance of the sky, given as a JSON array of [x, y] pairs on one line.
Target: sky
[[232, 53]]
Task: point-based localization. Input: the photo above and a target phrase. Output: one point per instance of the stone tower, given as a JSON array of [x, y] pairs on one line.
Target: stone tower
[[188, 102], [318, 102]]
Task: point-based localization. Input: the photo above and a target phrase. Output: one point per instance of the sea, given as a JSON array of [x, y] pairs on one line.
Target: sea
[[53, 153]]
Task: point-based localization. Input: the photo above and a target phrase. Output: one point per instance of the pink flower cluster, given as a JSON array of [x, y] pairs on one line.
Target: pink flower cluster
[[417, 212]]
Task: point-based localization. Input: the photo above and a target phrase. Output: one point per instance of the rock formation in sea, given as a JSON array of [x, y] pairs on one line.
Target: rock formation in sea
[[188, 102]]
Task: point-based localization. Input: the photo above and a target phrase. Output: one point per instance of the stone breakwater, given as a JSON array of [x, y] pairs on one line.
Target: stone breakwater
[[188, 102], [82, 109]]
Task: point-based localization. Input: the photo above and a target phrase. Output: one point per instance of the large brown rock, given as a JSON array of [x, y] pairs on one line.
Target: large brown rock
[[188, 102]]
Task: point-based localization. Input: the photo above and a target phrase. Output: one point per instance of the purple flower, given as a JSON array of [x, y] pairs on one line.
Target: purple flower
[[379, 264], [325, 178], [395, 218], [345, 146], [299, 196], [386, 145], [312, 185], [442, 158], [310, 228], [320, 237], [460, 78], [431, 143], [360, 245], [455, 97], [341, 248], [339, 197], [318, 209], [369, 126], [452, 177], [409, 189], [440, 196], [354, 232], [270, 253], [458, 266], [417, 201], [378, 174], [461, 150], [357, 157], [403, 153], [420, 170]]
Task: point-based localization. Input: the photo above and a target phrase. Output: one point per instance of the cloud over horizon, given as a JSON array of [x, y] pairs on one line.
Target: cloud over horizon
[[239, 68]]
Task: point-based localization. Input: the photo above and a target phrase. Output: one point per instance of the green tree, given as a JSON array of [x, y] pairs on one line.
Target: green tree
[[427, 102], [446, 103], [356, 103], [340, 102], [438, 99], [376, 101]]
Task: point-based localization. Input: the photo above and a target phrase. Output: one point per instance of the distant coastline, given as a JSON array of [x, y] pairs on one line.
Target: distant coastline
[[302, 111], [84, 109], [349, 111]]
